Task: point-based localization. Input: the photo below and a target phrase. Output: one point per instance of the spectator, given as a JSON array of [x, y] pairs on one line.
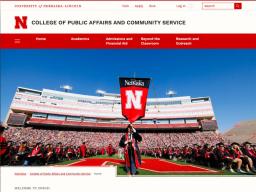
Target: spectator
[[3, 145], [70, 153], [49, 153], [110, 150], [83, 150], [248, 151], [226, 158], [35, 155], [59, 151], [22, 152], [238, 154]]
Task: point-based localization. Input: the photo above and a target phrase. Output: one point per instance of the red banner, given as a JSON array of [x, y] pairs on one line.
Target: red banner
[[134, 92]]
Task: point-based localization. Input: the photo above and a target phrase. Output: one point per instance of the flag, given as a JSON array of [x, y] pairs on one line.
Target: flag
[[134, 92]]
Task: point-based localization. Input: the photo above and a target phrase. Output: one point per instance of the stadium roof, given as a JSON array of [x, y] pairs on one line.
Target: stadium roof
[[108, 96]]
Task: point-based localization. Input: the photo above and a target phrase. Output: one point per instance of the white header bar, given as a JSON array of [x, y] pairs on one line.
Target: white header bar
[[128, 17]]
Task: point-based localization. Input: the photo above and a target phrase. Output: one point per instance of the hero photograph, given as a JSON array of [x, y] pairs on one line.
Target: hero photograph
[[146, 112]]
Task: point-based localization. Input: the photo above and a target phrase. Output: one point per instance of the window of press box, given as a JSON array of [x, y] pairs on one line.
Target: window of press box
[[90, 119], [30, 92], [147, 121], [162, 121], [39, 115], [177, 121], [191, 120], [56, 97], [56, 117], [74, 118], [164, 103]]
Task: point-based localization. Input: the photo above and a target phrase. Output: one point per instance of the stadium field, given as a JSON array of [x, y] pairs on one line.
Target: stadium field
[[150, 166]]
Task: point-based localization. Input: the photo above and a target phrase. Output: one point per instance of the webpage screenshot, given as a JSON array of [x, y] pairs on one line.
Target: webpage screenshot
[[127, 95]]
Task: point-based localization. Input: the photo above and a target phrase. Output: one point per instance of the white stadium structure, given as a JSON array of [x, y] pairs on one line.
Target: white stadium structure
[[64, 109]]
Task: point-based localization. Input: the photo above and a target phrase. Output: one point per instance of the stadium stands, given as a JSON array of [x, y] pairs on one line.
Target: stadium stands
[[40, 146], [100, 139]]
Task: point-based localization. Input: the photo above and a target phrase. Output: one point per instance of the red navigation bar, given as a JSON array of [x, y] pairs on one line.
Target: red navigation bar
[[142, 41]]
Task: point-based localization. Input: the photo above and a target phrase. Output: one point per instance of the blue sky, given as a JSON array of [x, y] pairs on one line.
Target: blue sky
[[227, 76]]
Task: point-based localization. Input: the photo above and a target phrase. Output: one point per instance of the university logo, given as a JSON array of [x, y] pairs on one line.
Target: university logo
[[133, 99], [21, 22], [134, 93]]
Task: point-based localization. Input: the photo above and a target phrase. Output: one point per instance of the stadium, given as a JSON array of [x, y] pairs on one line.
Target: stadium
[[180, 133], [48, 109]]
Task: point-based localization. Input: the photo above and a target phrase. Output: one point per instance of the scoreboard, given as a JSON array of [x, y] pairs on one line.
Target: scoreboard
[[17, 119]]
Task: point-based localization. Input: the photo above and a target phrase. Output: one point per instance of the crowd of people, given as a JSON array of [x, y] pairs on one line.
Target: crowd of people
[[154, 140], [100, 139], [67, 138], [233, 157], [29, 146]]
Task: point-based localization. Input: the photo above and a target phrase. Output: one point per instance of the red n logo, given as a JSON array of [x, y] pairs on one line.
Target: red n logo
[[21, 22]]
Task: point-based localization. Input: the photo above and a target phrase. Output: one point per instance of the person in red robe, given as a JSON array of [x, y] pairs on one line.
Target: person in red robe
[[70, 153], [248, 151], [3, 145], [129, 142], [35, 155], [102, 151], [247, 161], [78, 152], [48, 153], [83, 150], [110, 150], [59, 151]]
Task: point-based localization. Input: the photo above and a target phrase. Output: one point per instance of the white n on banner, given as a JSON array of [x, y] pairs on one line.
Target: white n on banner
[[133, 99]]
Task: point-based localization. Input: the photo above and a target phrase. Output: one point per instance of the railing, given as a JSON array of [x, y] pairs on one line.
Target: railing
[[36, 121]]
